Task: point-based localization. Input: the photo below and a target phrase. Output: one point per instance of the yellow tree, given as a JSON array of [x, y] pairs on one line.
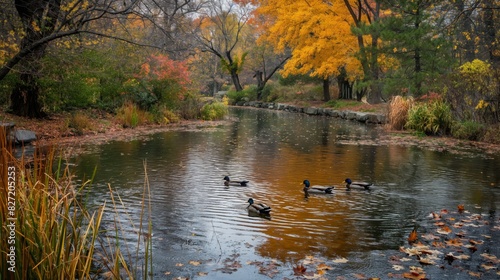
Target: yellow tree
[[318, 33]]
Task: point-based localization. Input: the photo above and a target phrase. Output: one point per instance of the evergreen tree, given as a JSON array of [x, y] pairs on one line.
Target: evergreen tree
[[412, 37]]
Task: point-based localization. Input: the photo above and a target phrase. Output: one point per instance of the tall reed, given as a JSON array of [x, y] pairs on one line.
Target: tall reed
[[398, 112], [47, 231]]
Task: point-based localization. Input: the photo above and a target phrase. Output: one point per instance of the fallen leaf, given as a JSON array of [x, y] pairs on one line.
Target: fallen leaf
[[167, 272], [490, 258], [476, 242], [454, 242], [202, 273], [413, 236], [398, 267], [195, 263], [179, 264], [426, 261], [299, 269], [430, 236], [475, 274], [444, 230], [461, 208], [340, 260], [488, 266], [323, 266]]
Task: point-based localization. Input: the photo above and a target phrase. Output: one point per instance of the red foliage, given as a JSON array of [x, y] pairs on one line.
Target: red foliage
[[161, 67]]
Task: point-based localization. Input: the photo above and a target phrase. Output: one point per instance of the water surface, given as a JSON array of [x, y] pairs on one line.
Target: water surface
[[196, 219]]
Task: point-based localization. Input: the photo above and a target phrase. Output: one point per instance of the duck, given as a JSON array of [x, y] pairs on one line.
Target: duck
[[228, 182], [258, 208], [317, 189], [356, 184]]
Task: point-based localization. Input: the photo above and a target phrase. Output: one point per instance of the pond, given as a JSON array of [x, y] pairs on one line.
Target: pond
[[203, 230]]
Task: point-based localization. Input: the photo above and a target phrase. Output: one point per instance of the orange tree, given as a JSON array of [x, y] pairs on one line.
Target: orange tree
[[318, 33]]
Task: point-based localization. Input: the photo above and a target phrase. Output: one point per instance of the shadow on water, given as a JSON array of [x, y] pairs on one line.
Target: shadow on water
[[202, 227]]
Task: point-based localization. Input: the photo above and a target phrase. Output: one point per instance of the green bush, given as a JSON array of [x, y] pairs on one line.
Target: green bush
[[249, 93], [468, 130], [433, 118], [213, 111]]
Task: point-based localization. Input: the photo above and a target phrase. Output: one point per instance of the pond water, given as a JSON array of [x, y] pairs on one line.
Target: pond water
[[195, 218]]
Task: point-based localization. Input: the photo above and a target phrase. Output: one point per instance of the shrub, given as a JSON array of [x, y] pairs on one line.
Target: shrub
[[468, 130], [430, 118], [131, 116], [190, 106], [213, 111]]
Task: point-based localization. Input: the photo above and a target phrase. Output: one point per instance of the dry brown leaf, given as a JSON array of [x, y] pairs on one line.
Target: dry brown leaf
[[461, 208], [426, 261], [202, 273], [195, 263], [488, 266], [340, 260], [444, 230], [490, 258], [323, 266], [414, 275], [179, 264], [430, 236], [413, 236], [299, 269], [398, 267], [454, 242], [475, 274]]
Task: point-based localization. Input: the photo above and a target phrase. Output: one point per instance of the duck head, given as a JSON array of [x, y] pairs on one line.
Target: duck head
[[226, 178], [250, 200], [306, 184], [348, 181]]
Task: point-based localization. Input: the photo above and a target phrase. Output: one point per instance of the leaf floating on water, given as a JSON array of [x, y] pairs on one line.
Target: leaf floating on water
[[299, 269], [195, 263], [415, 273], [413, 236], [323, 266], [490, 258], [488, 266], [455, 242], [461, 208], [398, 267], [340, 260], [179, 264], [202, 273], [167, 272], [444, 230], [430, 236]]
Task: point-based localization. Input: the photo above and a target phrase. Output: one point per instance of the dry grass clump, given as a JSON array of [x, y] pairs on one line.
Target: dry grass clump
[[398, 112], [49, 233]]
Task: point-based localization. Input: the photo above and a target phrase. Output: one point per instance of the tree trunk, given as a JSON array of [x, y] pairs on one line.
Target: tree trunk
[[39, 18], [236, 81], [326, 89], [260, 83]]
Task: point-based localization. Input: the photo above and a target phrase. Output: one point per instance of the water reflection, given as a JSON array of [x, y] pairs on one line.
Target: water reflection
[[195, 217]]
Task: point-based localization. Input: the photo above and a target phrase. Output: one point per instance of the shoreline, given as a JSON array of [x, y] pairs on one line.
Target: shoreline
[[54, 132]]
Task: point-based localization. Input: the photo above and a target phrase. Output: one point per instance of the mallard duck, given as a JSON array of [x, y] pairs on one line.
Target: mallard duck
[[258, 208], [317, 189], [350, 184], [228, 182]]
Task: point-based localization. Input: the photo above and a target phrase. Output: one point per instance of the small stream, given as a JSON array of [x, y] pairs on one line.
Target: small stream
[[203, 230]]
